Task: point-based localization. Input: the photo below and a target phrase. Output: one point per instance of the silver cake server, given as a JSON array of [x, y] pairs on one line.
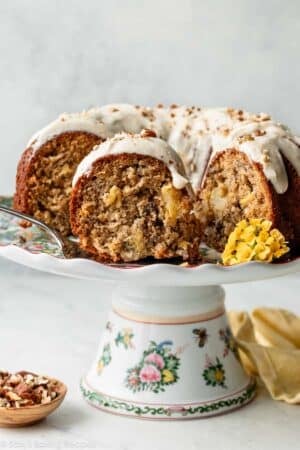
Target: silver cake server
[[68, 247]]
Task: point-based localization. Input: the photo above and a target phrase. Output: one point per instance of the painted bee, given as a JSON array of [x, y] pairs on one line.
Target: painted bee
[[200, 336], [109, 326]]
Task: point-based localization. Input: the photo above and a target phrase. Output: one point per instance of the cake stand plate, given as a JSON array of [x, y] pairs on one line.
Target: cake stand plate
[[167, 351]]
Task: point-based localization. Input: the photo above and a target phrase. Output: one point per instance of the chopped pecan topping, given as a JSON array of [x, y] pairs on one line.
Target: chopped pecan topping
[[148, 133], [26, 389]]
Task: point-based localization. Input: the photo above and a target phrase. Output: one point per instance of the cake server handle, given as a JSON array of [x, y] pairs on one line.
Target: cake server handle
[[54, 234]]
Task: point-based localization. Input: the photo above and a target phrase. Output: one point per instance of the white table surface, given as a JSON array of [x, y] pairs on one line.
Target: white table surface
[[51, 325]]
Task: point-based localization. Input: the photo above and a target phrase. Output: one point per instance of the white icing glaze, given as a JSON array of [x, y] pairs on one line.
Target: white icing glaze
[[197, 135], [119, 118], [67, 122], [264, 142], [128, 143]]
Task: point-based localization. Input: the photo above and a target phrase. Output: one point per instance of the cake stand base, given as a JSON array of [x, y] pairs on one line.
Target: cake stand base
[[167, 353]]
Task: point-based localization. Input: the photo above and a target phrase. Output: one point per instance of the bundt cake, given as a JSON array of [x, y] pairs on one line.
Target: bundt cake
[[240, 165], [131, 200], [46, 168]]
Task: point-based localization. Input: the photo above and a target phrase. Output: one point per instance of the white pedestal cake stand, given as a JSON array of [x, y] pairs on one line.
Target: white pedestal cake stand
[[167, 351]]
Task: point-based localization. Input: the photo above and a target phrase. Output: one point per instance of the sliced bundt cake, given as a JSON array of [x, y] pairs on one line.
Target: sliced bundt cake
[[235, 188], [254, 175], [47, 167], [240, 165], [131, 200]]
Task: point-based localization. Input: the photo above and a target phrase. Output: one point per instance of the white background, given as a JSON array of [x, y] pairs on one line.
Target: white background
[[58, 56]]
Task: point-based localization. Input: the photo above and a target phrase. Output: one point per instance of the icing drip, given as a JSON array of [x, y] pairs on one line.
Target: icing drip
[[84, 121], [136, 144], [197, 135], [263, 142]]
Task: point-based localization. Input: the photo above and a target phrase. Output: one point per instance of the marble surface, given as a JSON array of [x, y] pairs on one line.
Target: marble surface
[[51, 325]]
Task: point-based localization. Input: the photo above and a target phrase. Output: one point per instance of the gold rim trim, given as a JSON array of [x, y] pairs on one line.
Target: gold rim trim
[[195, 318]]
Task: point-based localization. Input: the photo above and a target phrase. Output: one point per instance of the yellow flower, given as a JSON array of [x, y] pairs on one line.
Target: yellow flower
[[127, 337], [263, 252], [219, 375], [248, 233], [168, 376], [263, 236], [281, 252], [244, 251], [100, 366], [254, 240]]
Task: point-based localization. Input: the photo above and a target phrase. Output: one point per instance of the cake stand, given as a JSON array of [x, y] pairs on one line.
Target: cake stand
[[166, 351]]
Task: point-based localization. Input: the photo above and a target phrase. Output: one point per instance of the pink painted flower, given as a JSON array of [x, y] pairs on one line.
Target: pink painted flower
[[133, 379], [150, 374], [155, 358]]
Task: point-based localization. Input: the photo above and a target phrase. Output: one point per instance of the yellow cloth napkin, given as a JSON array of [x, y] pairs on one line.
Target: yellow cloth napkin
[[269, 347]]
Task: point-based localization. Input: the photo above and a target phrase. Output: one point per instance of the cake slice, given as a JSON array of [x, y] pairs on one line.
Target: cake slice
[[234, 189], [253, 173], [131, 200], [47, 166]]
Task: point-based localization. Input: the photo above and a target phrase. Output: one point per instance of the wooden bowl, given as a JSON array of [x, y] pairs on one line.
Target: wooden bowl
[[28, 415]]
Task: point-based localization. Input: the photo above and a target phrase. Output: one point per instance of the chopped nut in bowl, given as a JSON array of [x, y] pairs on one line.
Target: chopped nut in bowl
[[26, 398]]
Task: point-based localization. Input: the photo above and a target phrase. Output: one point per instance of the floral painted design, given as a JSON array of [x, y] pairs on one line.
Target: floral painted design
[[201, 336], [109, 326], [33, 239], [6, 201], [214, 373], [229, 341], [157, 369], [139, 410], [105, 358], [124, 338]]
